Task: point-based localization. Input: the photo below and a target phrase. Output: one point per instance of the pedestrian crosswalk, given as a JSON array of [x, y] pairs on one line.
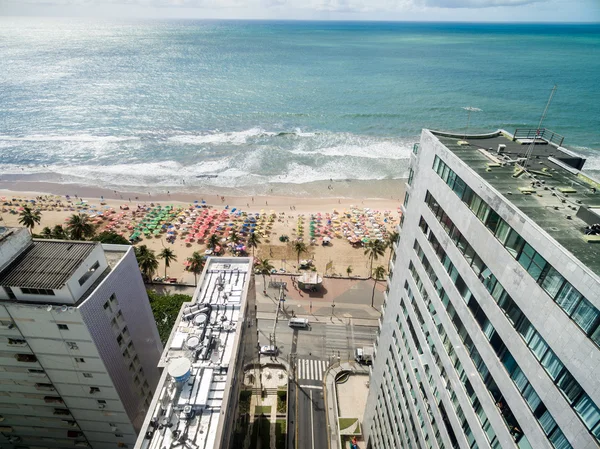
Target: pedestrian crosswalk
[[310, 369]]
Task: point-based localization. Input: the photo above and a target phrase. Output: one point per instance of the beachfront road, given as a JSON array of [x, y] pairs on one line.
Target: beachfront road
[[310, 352]]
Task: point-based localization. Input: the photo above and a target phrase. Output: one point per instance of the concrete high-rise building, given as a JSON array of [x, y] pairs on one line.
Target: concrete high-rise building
[[491, 327], [79, 345], [213, 339]]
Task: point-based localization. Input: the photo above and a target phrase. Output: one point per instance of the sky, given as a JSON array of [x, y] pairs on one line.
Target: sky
[[561, 11]]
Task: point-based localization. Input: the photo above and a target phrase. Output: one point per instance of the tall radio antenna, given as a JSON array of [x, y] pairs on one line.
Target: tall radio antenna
[[539, 127]]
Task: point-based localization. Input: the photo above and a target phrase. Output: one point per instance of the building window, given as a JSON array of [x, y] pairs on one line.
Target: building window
[[79, 359], [106, 305], [119, 435], [72, 346], [62, 327], [37, 291], [16, 341], [88, 375], [35, 371], [94, 390], [88, 274], [101, 402], [113, 300]]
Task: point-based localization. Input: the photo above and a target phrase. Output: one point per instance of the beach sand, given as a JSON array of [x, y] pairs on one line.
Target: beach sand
[[340, 253]]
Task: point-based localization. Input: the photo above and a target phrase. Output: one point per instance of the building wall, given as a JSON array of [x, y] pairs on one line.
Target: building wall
[[127, 317], [67, 365], [431, 324], [12, 242]]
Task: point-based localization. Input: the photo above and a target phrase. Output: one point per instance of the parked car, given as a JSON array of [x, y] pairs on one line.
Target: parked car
[[268, 350]]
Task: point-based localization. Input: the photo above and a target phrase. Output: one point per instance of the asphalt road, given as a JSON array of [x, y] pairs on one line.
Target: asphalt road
[[310, 352]]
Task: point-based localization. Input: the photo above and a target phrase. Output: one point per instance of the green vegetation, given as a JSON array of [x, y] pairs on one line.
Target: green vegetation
[[373, 250], [262, 428], [165, 309], [262, 409], [280, 433], [245, 396], [347, 422], [111, 238], [29, 218], [281, 401], [80, 227]]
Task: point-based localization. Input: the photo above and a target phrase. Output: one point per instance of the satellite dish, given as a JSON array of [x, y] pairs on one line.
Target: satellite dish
[[48, 308], [64, 308]]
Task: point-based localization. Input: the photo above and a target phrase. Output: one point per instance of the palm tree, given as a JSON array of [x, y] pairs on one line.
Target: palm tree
[[169, 256], [59, 233], [147, 262], [213, 241], [264, 268], [349, 270], [46, 232], [140, 252], [378, 274], [79, 227], [392, 238], [29, 218], [234, 236], [253, 241], [373, 250], [299, 248], [196, 264]]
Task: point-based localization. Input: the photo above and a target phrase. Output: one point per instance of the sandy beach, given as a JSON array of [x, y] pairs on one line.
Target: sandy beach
[[277, 215]]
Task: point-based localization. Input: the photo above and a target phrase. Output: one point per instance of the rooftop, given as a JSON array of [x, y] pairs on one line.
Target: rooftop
[[553, 192], [46, 264], [187, 408]]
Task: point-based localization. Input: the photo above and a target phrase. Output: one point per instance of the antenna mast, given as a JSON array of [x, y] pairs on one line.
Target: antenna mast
[[539, 127]]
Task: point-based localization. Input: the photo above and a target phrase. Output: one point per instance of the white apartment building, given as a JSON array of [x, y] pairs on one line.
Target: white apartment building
[[78, 344], [491, 327], [214, 337]]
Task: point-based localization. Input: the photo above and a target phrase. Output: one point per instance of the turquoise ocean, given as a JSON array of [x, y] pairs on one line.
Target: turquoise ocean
[[157, 104]]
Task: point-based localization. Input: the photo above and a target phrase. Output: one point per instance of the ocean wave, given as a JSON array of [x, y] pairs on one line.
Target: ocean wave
[[66, 138]]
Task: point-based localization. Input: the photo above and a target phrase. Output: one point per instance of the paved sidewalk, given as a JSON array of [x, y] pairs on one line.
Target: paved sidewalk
[[331, 398]]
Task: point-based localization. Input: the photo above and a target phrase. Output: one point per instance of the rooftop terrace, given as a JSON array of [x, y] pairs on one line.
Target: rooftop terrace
[[552, 192], [200, 359]]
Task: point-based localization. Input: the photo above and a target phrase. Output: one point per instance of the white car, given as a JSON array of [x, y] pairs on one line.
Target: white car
[[268, 350]]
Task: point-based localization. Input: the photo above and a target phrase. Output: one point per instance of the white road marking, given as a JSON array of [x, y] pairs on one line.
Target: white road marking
[[313, 387], [312, 422]]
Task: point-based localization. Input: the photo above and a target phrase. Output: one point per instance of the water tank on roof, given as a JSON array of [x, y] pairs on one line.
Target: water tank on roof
[[180, 369], [193, 342], [199, 320]]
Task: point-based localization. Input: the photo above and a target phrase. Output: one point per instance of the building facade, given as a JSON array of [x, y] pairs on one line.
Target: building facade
[[491, 327], [79, 345], [213, 339]]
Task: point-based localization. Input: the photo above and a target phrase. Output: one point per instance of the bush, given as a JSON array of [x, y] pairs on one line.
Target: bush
[[165, 309], [281, 401], [245, 397], [111, 238]]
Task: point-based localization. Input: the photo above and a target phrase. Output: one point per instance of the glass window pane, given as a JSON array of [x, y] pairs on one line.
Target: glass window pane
[[559, 441], [538, 346], [585, 315], [552, 364], [459, 187], [514, 243], [547, 422], [475, 203], [519, 379], [596, 335], [587, 410], [492, 221], [502, 231], [569, 386], [526, 256], [484, 211], [533, 400], [568, 298], [553, 282]]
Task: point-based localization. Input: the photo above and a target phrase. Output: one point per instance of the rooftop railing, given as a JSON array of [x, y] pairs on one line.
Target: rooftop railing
[[542, 133]]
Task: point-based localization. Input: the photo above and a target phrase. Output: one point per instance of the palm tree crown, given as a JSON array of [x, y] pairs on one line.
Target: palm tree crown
[[299, 248], [392, 238], [265, 268], [29, 218], [213, 241], [378, 274], [79, 227], [253, 241], [147, 261], [169, 256], [196, 264], [374, 249]]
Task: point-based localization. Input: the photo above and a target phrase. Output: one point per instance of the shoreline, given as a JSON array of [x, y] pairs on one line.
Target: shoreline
[[387, 194]]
